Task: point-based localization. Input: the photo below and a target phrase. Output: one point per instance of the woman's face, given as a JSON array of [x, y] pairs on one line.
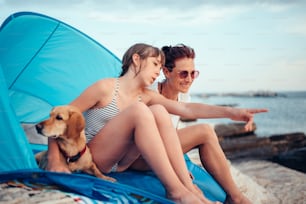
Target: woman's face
[[180, 78]]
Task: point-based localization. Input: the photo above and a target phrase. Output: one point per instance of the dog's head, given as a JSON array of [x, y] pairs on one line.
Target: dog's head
[[65, 121]]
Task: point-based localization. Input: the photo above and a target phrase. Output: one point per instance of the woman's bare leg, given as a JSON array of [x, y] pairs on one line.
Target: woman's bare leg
[[135, 126], [212, 158]]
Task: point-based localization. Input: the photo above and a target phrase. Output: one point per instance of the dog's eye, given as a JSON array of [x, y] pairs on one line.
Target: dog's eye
[[58, 117]]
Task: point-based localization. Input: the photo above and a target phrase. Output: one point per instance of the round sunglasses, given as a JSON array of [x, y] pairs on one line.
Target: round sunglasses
[[184, 74]]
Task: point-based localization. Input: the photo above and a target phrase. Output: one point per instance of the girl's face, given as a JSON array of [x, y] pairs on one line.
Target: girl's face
[[182, 75], [151, 69]]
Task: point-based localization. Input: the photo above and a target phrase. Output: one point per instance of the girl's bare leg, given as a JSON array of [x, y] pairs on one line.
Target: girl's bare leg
[[173, 148], [135, 127], [212, 158]]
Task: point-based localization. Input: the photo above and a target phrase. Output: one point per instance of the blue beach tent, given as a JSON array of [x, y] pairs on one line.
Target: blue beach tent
[[44, 63]]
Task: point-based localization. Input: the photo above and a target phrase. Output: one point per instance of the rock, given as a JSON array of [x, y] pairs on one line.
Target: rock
[[286, 185], [293, 159], [188, 119], [251, 146], [233, 130]]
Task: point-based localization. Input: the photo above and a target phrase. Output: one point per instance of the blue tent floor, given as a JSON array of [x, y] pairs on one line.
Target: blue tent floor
[[35, 185], [132, 186]]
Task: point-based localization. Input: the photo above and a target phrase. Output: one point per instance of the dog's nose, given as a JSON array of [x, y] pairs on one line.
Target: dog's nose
[[39, 128]]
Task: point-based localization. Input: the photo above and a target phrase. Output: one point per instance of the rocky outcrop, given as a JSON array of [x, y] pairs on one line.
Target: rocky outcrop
[[286, 149], [293, 159], [233, 130]]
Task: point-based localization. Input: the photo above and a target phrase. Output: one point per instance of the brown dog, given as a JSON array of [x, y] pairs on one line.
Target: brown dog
[[66, 124]]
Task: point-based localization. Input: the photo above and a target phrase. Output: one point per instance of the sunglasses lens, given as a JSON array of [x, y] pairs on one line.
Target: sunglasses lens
[[194, 74], [183, 74]]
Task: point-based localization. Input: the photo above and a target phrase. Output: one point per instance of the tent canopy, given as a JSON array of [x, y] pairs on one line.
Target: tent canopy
[[47, 63]]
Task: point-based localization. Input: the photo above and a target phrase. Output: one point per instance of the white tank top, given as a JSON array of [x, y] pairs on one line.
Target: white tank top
[[182, 97]]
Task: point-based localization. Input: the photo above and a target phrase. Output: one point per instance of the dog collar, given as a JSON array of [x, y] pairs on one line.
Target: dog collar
[[75, 157]]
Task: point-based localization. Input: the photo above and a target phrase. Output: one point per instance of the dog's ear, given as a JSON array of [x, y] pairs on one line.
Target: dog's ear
[[76, 123]]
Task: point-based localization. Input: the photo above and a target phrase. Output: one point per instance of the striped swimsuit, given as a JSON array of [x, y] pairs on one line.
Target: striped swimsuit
[[96, 118]]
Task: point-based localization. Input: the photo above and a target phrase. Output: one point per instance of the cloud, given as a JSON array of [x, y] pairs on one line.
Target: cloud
[[298, 27], [200, 15], [18, 3], [178, 12], [137, 5]]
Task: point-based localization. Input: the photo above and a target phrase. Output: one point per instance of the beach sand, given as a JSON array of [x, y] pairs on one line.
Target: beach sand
[[264, 182]]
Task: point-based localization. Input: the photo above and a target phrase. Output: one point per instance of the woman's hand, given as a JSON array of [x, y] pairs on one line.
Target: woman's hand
[[246, 115]]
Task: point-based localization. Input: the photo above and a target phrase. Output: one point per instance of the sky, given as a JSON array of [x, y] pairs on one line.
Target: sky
[[240, 45]]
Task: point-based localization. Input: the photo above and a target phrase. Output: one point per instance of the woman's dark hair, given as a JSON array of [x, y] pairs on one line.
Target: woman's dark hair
[[144, 51], [176, 52]]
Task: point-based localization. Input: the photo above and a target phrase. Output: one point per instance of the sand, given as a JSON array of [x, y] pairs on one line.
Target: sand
[[264, 182]]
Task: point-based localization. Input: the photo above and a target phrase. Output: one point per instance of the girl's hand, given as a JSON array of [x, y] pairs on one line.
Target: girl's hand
[[57, 166]]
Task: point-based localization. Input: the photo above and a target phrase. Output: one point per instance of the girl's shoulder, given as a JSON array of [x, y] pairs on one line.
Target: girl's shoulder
[[103, 86], [105, 83], [103, 90]]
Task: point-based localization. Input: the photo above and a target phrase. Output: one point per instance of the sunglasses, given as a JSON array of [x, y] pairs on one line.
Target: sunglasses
[[184, 74]]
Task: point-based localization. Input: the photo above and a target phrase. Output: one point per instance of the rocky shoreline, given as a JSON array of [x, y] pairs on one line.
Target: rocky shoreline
[[285, 149], [276, 164]]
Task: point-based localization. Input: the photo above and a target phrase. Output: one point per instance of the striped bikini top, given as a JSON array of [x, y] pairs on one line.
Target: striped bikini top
[[96, 118]]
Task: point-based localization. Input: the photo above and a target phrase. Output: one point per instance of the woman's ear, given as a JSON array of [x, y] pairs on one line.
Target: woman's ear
[[166, 72]]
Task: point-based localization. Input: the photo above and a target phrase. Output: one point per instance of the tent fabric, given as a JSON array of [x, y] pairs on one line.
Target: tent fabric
[[150, 183], [43, 63], [47, 63], [81, 184], [12, 135]]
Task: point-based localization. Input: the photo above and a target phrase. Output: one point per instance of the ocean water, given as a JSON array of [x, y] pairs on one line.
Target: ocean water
[[287, 111]]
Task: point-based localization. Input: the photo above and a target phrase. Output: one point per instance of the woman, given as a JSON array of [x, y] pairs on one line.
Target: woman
[[124, 121], [179, 72]]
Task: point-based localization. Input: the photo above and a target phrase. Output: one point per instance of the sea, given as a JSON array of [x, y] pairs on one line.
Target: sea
[[286, 110]]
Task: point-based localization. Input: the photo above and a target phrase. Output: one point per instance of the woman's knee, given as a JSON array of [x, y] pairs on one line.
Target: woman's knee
[[206, 132]]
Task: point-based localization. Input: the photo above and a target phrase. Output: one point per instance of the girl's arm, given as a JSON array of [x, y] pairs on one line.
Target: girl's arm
[[89, 98], [54, 161]]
